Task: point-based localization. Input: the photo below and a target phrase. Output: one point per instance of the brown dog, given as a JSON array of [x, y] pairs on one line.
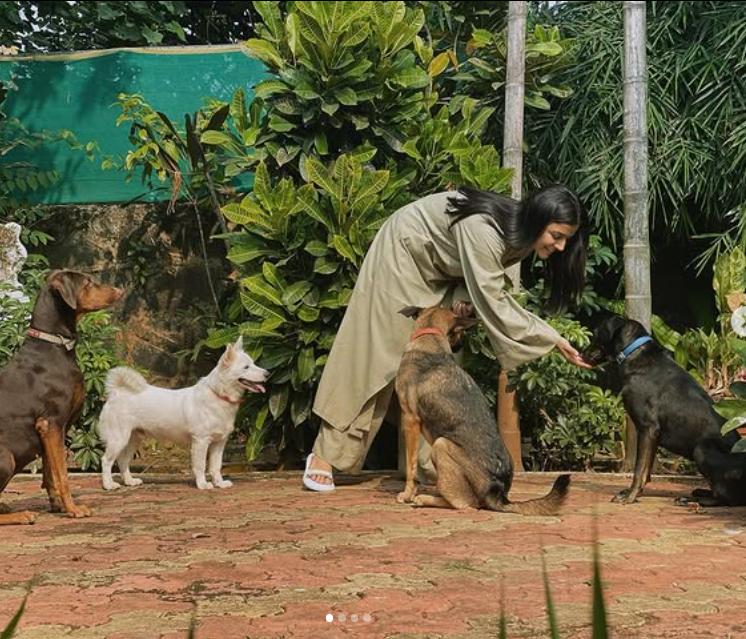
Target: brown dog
[[440, 399], [42, 391]]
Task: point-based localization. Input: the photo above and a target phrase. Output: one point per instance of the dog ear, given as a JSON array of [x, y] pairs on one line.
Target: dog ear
[[461, 324], [226, 359], [411, 311], [466, 322], [616, 323], [238, 346], [66, 284]]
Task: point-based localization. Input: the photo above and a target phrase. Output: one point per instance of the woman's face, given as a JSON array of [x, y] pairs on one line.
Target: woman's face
[[554, 238]]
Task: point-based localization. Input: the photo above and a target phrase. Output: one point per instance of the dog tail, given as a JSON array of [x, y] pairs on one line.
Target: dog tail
[[124, 380], [548, 505]]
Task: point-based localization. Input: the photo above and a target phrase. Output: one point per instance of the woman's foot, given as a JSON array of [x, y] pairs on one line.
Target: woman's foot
[[320, 481]]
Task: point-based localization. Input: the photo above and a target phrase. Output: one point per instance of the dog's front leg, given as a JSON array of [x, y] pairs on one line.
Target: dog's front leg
[[48, 484], [647, 445], [200, 446], [58, 488], [216, 464], [411, 425]]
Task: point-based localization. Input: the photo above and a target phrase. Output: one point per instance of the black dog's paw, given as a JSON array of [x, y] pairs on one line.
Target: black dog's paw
[[699, 493], [626, 496]]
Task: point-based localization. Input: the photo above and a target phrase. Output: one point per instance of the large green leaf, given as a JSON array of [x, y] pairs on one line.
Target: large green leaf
[[276, 356], [300, 408], [264, 51], [306, 364], [238, 109], [373, 182], [730, 408], [259, 287], [259, 307], [248, 252], [413, 78], [733, 423], [311, 206], [271, 17], [217, 338], [317, 248], [262, 183], [270, 87], [325, 266], [308, 314], [320, 176], [311, 30], [217, 138], [255, 330], [272, 275], [356, 36], [296, 292], [738, 389], [343, 247], [544, 48], [278, 401]]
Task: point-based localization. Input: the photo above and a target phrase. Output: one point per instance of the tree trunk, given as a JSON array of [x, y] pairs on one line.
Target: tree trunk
[[636, 221], [507, 409]]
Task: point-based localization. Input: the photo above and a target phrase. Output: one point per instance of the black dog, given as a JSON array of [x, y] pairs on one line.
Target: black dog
[[669, 409]]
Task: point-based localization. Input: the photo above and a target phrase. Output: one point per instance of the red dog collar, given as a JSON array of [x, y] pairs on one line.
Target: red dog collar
[[426, 331], [224, 398]]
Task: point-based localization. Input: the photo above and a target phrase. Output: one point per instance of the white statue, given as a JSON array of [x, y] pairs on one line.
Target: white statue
[[13, 255]]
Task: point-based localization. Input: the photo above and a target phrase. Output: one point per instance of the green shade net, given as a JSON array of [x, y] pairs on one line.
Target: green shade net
[[77, 91]]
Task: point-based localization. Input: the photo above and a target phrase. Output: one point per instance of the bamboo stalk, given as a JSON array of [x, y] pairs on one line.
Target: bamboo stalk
[[507, 409]]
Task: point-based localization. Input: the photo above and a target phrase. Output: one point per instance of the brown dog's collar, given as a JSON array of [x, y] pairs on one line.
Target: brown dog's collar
[[67, 342], [224, 398], [426, 331]]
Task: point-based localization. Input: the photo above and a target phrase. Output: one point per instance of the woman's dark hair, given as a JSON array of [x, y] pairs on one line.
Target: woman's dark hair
[[522, 223]]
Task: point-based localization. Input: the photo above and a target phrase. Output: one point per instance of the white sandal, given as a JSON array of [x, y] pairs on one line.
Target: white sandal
[[312, 484]]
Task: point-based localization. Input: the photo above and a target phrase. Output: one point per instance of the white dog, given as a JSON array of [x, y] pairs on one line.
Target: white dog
[[203, 415]]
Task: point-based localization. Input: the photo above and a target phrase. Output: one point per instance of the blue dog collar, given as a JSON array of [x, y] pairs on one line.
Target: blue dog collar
[[633, 347]]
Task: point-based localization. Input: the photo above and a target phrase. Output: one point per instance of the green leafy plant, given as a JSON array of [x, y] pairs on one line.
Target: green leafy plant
[[348, 127], [570, 420], [709, 355], [349, 132], [734, 408]]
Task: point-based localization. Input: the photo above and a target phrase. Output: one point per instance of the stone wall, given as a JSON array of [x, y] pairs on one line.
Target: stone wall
[[159, 262]]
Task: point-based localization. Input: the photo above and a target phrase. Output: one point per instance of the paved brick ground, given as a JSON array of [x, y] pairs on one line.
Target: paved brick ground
[[266, 560]]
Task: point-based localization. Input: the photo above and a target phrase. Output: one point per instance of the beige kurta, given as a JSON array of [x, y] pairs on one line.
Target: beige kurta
[[417, 260]]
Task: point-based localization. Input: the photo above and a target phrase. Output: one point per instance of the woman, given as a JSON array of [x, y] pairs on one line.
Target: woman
[[421, 255]]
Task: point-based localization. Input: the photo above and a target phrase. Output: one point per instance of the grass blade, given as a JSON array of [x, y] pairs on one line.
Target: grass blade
[[11, 627], [553, 627], [600, 628]]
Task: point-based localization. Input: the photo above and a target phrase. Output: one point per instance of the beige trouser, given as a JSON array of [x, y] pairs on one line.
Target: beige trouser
[[346, 449]]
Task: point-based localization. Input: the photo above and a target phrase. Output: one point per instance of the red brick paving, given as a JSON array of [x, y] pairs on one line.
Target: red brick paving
[[266, 560]]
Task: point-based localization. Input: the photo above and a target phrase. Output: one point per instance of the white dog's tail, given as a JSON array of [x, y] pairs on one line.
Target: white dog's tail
[[124, 380]]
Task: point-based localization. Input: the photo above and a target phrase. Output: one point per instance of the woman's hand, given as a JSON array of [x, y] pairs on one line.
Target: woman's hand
[[569, 352], [463, 309]]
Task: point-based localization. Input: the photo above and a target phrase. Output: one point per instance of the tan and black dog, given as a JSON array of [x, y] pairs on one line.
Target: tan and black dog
[[441, 400], [42, 390]]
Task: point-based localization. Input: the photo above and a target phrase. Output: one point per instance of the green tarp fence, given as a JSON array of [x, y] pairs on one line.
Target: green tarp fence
[[77, 91]]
